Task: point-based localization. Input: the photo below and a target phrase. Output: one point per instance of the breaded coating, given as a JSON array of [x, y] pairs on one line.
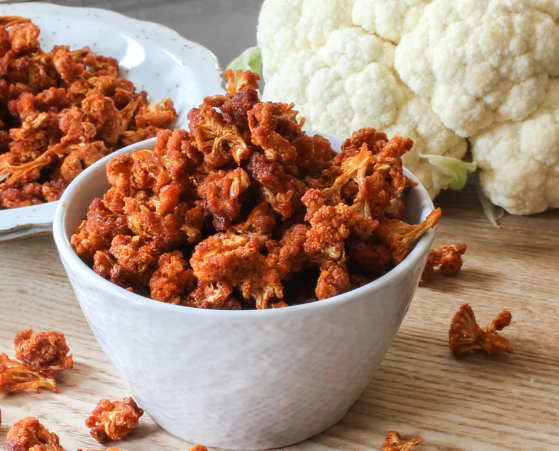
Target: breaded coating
[[244, 210], [220, 193], [334, 279], [289, 252], [281, 190], [30, 435], [197, 448], [393, 442], [465, 335], [15, 377], [134, 257], [260, 222], [98, 230], [45, 352], [212, 295], [264, 119], [227, 257], [217, 139], [63, 110], [113, 420], [172, 278], [447, 258], [330, 226]]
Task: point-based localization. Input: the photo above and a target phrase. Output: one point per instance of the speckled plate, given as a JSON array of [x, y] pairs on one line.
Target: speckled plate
[[153, 57]]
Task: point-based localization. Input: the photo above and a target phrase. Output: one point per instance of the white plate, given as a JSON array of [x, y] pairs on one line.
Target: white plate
[[153, 57]]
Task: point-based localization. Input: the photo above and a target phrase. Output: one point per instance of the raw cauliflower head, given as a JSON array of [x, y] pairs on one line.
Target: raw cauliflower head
[[481, 61], [349, 83], [520, 160]]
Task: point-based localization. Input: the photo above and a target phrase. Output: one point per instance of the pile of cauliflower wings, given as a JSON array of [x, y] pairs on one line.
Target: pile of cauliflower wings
[[60, 112], [246, 210]]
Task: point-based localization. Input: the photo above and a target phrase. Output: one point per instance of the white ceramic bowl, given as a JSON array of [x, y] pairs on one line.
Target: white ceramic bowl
[[241, 379], [155, 58]]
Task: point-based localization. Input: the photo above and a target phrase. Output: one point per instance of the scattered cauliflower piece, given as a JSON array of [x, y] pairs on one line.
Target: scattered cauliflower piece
[[481, 61], [447, 258], [520, 160], [393, 442], [465, 335]]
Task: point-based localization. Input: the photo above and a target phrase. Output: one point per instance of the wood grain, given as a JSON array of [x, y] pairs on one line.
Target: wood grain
[[479, 402]]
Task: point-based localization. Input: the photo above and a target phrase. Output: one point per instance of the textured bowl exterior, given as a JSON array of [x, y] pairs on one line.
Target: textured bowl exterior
[[241, 379]]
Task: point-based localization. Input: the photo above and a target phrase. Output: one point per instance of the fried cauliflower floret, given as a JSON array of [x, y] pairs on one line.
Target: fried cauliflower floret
[[15, 198], [227, 257], [149, 171], [465, 335], [71, 122], [357, 184], [215, 137], [197, 448], [334, 279], [45, 352], [447, 258], [52, 191], [119, 175], [260, 222], [374, 139], [268, 122], [15, 377], [388, 163], [393, 442], [220, 193], [161, 114], [212, 295], [331, 225], [280, 189], [98, 230], [401, 236], [103, 114], [113, 420], [24, 37], [237, 261], [165, 227], [290, 251], [179, 155], [133, 256], [30, 435], [244, 80], [81, 156], [263, 284], [172, 278]]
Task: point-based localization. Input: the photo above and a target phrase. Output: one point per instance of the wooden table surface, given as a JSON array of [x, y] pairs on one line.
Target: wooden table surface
[[476, 403]]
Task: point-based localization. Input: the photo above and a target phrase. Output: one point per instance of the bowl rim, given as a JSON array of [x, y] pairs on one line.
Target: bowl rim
[[23, 221], [69, 256]]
